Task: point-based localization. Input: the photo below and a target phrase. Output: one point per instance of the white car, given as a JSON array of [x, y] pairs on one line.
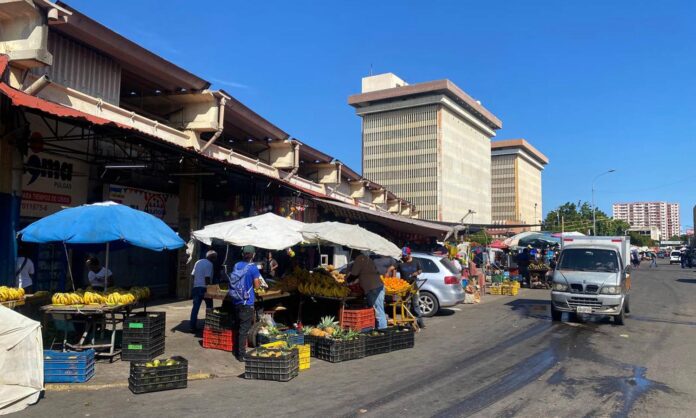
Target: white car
[[675, 257]]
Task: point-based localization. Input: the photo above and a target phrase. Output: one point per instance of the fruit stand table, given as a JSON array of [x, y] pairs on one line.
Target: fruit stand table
[[65, 316], [340, 301], [12, 304], [537, 278]]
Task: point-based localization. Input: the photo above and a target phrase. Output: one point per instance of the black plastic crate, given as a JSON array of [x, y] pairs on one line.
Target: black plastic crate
[[377, 342], [280, 369], [145, 379], [144, 323], [218, 321], [336, 351], [142, 350], [401, 337], [291, 337]]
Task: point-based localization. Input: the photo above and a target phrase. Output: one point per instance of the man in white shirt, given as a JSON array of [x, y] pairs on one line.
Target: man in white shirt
[[24, 270], [98, 276], [202, 276]]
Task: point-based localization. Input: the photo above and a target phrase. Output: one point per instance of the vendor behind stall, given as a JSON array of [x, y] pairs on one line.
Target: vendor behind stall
[[202, 276], [98, 276], [24, 271], [364, 271], [244, 278]]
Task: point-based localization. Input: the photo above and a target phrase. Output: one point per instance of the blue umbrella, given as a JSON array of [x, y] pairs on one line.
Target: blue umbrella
[[103, 223]]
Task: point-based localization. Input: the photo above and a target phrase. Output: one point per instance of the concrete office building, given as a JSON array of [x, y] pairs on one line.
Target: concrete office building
[[652, 232], [516, 188], [660, 214], [430, 144]]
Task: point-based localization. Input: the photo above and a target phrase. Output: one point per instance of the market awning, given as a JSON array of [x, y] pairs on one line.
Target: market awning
[[395, 222]]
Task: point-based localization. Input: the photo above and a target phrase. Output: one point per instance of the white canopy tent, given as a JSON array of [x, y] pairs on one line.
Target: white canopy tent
[[267, 231], [21, 361], [352, 236]]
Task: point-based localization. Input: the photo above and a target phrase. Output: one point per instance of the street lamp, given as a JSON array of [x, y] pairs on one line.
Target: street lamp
[[594, 208]]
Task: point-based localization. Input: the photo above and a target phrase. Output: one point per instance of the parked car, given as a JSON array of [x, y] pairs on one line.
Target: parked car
[[442, 283], [675, 257]]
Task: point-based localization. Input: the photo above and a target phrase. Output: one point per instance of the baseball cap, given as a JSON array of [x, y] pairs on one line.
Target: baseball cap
[[405, 251], [248, 249]]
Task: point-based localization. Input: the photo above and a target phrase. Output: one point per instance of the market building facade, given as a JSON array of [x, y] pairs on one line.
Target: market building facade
[[88, 116], [516, 184], [429, 143]]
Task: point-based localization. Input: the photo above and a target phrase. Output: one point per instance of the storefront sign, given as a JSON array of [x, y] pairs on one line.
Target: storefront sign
[[50, 183], [162, 205]]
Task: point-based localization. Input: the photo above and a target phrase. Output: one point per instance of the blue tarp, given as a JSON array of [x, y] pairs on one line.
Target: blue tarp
[[100, 223]]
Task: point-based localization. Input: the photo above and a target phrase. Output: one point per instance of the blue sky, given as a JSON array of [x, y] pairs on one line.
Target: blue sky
[[593, 84]]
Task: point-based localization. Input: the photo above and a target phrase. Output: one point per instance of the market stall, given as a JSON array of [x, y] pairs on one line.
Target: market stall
[[114, 226]]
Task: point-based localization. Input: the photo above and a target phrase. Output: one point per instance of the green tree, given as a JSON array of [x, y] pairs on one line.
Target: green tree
[[578, 217], [641, 240], [682, 238]]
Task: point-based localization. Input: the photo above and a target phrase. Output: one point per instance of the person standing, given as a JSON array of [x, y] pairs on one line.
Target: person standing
[[653, 260], [24, 272], [682, 258], [99, 277], [202, 276], [386, 266], [409, 269], [270, 266], [364, 271], [244, 278], [523, 260]]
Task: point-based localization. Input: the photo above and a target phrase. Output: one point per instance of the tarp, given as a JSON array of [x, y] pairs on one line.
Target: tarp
[[352, 236], [267, 231], [535, 239], [498, 244], [21, 361], [101, 223]]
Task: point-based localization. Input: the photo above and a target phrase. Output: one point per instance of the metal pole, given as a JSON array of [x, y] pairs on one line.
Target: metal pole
[[67, 260], [594, 207], [106, 273]]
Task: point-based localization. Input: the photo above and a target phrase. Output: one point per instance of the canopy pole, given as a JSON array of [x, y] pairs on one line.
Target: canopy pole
[[67, 260], [227, 253], [106, 273]]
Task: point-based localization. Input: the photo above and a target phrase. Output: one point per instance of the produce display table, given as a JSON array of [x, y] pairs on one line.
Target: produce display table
[[537, 278], [214, 292], [340, 301], [12, 304], [91, 316]]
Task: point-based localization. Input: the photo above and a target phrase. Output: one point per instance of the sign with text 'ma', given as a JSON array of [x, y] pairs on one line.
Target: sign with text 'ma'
[[51, 183], [162, 205]]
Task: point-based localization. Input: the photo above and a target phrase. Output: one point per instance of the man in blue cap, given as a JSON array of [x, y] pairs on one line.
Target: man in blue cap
[[244, 278], [409, 269]]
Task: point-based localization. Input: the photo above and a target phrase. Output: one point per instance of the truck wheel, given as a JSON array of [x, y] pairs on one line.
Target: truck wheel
[[627, 305], [555, 314], [619, 319]]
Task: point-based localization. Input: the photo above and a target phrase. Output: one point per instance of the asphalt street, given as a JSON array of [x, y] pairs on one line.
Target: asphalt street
[[503, 358]]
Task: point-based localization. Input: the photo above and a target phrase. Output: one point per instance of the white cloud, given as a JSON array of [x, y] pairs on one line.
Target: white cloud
[[228, 83]]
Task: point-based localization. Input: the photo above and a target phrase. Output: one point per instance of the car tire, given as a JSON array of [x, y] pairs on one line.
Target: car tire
[[555, 314], [627, 305], [619, 319], [429, 305]]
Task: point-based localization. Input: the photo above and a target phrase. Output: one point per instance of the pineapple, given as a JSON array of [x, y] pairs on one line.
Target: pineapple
[[328, 324]]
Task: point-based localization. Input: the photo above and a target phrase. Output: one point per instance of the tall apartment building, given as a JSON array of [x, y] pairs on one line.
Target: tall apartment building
[[660, 214], [516, 188], [429, 143]]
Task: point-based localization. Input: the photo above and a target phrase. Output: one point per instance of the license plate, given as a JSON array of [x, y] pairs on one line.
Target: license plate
[[584, 309]]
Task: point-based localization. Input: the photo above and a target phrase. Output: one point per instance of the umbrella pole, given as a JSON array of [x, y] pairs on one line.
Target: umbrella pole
[[67, 260], [106, 273]]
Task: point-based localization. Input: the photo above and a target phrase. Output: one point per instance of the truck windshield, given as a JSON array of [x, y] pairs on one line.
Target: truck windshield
[[584, 259]]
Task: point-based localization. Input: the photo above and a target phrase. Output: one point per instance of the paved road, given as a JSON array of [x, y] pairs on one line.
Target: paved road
[[501, 359]]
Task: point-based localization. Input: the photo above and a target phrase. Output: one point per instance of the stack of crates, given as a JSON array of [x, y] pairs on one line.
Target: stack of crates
[[291, 337], [69, 366], [495, 289], [303, 353], [146, 377], [362, 320], [218, 334], [143, 336]]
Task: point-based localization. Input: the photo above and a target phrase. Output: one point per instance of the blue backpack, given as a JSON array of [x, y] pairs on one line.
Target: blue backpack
[[238, 291]]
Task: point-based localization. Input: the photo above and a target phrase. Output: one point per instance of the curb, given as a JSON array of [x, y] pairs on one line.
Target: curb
[[59, 387]]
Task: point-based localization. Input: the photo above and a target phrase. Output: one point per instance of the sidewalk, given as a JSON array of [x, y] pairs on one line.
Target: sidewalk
[[203, 363]]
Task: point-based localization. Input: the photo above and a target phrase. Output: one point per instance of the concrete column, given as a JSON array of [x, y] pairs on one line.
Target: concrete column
[[189, 220]]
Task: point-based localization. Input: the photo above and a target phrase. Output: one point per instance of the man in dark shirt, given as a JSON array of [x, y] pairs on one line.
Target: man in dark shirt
[[364, 271], [409, 269]]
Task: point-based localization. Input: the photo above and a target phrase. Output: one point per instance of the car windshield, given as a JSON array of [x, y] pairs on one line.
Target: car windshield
[[448, 264], [588, 260], [675, 254]]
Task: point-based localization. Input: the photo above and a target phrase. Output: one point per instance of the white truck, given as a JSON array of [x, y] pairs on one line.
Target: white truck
[[592, 277]]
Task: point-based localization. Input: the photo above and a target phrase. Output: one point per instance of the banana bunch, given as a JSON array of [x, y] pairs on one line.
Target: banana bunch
[[94, 298], [321, 287], [11, 293], [117, 298], [67, 299]]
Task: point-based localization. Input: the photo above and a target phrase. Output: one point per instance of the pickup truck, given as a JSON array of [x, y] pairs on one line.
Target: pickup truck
[[592, 277]]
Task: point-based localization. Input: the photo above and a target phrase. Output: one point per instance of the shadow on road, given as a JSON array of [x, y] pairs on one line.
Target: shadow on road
[[444, 312], [692, 281]]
